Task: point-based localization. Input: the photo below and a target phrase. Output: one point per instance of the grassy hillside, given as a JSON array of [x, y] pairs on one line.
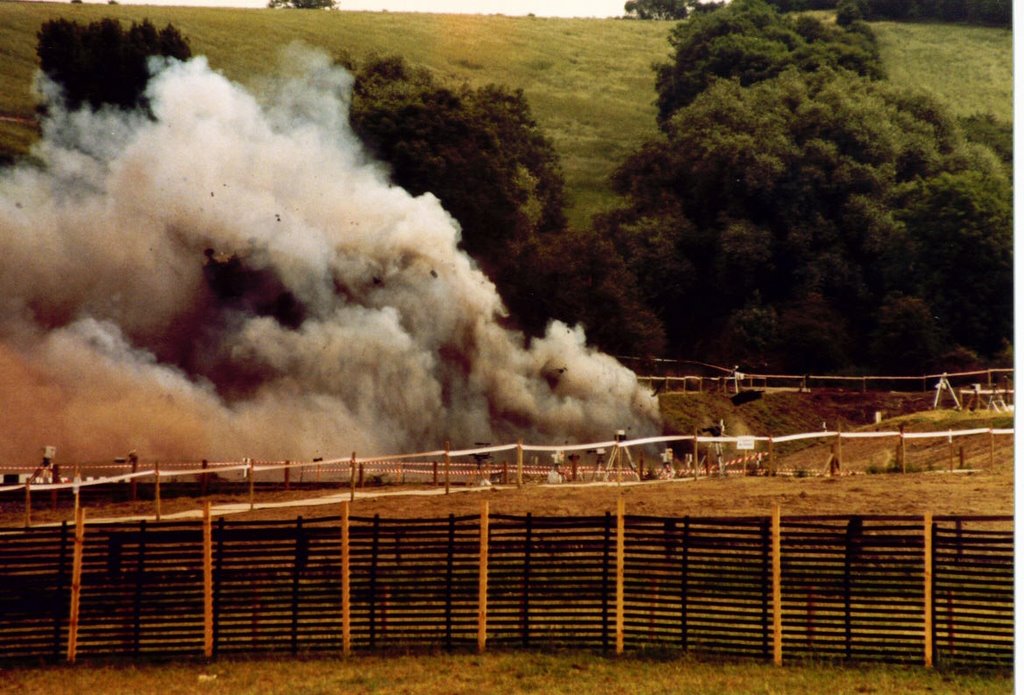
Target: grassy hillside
[[968, 67], [588, 81]]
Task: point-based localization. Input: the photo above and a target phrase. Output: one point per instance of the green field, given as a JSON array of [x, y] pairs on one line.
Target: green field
[[969, 68], [504, 673], [589, 81]]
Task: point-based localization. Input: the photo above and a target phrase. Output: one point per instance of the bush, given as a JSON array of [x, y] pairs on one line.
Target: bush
[[102, 63]]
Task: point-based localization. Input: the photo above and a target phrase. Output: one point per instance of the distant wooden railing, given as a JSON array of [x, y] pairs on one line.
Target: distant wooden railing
[[998, 381]]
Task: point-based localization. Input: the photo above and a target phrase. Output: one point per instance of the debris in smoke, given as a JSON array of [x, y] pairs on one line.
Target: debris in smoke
[[311, 332]]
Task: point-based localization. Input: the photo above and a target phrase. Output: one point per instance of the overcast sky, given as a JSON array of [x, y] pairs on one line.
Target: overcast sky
[[541, 8]]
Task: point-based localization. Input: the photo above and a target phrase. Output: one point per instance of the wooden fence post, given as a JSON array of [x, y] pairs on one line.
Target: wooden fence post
[[606, 554], [28, 504], [519, 463], [618, 462], [481, 625], [346, 586], [696, 456], [771, 456], [287, 475], [448, 577], [156, 488], [252, 484], [839, 450], [207, 582], [620, 575], [685, 587], [524, 602], [76, 585], [447, 467], [352, 479], [55, 480], [902, 453], [928, 642], [777, 584], [301, 557], [134, 484]]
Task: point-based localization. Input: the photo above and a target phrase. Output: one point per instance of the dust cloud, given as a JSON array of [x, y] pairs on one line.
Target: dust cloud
[[231, 275]]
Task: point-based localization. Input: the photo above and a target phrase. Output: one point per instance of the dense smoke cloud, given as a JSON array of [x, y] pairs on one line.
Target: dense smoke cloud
[[232, 277]]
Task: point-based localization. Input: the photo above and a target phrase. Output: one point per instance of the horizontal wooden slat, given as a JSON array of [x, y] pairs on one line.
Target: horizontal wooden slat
[[851, 586]]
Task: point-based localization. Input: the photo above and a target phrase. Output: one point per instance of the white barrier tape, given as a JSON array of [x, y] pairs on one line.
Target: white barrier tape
[[656, 440], [869, 435], [482, 450], [806, 435], [572, 447], [196, 471]]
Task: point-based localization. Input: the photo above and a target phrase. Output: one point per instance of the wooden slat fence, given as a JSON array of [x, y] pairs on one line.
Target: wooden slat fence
[[852, 588]]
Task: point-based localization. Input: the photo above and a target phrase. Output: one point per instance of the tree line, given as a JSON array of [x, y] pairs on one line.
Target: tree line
[[796, 211], [989, 12]]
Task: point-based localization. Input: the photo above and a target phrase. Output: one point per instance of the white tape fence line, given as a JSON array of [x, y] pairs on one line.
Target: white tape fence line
[[386, 463]]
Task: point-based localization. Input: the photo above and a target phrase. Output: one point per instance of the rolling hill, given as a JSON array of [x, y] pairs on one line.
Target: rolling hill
[[589, 81]]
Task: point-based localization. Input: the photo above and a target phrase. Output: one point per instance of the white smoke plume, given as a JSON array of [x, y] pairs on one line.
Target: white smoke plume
[[233, 277]]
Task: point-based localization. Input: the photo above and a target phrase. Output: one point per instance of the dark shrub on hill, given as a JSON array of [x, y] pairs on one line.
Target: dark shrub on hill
[[823, 194], [749, 41], [990, 12], [103, 63], [480, 151]]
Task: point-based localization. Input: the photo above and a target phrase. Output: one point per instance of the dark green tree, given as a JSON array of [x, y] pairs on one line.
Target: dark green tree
[[303, 4], [987, 130], [850, 11], [824, 193], [103, 63], [749, 41], [813, 336], [960, 227], [480, 151], [667, 9], [906, 339]]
